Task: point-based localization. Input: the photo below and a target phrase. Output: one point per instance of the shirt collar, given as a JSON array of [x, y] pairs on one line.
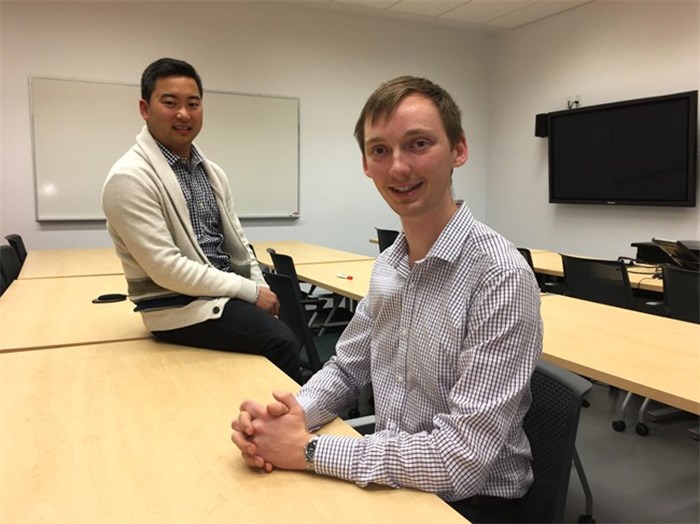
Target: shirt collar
[[446, 247], [173, 159]]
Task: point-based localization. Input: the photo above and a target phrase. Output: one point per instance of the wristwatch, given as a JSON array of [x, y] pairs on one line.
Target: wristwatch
[[310, 453]]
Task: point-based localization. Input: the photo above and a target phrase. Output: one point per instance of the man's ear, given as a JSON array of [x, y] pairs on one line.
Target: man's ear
[[461, 152], [143, 109]]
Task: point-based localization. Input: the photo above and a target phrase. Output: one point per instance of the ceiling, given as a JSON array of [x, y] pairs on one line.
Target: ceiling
[[491, 15]]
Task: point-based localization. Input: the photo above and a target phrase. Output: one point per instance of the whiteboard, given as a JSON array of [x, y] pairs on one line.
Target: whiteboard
[[80, 128]]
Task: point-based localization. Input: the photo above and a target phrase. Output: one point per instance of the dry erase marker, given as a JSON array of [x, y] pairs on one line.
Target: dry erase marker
[[343, 275]]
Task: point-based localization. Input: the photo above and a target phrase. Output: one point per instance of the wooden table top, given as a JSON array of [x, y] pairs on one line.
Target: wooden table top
[[326, 277], [303, 252], [44, 312], [139, 432], [652, 356], [51, 263]]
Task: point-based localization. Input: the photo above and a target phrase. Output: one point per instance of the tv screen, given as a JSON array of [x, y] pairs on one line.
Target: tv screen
[[637, 152]]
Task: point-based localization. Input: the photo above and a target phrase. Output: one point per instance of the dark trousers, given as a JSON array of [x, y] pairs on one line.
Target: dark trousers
[[244, 328], [480, 509]]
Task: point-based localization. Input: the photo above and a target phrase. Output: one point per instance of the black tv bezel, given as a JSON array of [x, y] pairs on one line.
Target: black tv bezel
[[691, 174]]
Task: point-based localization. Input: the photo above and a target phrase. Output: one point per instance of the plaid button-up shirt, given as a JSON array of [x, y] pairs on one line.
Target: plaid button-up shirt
[[201, 204], [449, 345]]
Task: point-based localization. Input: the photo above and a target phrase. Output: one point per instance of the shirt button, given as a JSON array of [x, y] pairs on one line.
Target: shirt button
[[216, 310]]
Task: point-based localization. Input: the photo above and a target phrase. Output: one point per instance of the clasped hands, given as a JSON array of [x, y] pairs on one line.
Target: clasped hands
[[272, 436]]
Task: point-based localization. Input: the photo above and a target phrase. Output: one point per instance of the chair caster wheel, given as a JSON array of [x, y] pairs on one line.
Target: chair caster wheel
[[586, 518], [619, 425], [642, 429]]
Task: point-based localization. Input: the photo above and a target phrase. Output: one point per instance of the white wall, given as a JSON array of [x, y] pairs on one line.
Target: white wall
[[330, 61], [604, 51]]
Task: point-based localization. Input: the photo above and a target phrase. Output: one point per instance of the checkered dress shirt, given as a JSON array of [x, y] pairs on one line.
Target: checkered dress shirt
[[449, 346], [201, 204]]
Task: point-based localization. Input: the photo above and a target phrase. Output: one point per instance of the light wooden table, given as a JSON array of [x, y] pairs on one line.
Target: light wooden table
[[303, 252], [652, 356], [139, 432], [326, 276], [51, 263], [45, 312], [641, 277]]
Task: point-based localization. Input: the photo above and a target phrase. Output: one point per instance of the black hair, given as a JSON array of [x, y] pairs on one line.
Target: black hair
[[165, 67]]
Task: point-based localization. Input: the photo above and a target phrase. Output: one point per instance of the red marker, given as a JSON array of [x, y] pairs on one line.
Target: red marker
[[344, 276]]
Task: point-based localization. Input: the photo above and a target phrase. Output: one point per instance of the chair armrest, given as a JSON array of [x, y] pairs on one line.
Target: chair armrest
[[363, 425]]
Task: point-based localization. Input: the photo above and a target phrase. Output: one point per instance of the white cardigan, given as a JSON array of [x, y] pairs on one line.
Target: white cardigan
[[148, 220]]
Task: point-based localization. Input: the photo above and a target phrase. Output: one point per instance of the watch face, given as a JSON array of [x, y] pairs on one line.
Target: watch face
[[310, 450]]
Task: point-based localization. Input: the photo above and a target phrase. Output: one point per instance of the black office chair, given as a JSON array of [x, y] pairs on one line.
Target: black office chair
[[551, 425], [604, 282], [317, 350], [607, 282], [386, 237], [527, 255], [263, 267], [682, 302], [336, 317], [9, 265], [547, 285], [284, 265], [601, 281], [3, 284], [18, 245], [681, 293]]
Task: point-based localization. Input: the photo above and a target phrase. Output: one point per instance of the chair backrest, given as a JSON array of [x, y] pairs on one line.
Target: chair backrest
[[252, 250], [9, 264], [386, 237], [18, 245], [551, 425], [292, 313], [284, 265], [3, 284], [602, 281], [682, 293], [263, 267], [525, 252]]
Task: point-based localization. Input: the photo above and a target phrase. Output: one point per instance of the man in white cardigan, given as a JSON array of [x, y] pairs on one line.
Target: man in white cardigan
[[188, 265]]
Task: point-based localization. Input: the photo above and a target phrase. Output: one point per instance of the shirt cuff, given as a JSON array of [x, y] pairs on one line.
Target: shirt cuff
[[315, 417], [334, 456]]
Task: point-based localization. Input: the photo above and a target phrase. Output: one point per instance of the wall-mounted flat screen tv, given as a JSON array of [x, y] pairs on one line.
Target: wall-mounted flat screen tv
[[636, 152]]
